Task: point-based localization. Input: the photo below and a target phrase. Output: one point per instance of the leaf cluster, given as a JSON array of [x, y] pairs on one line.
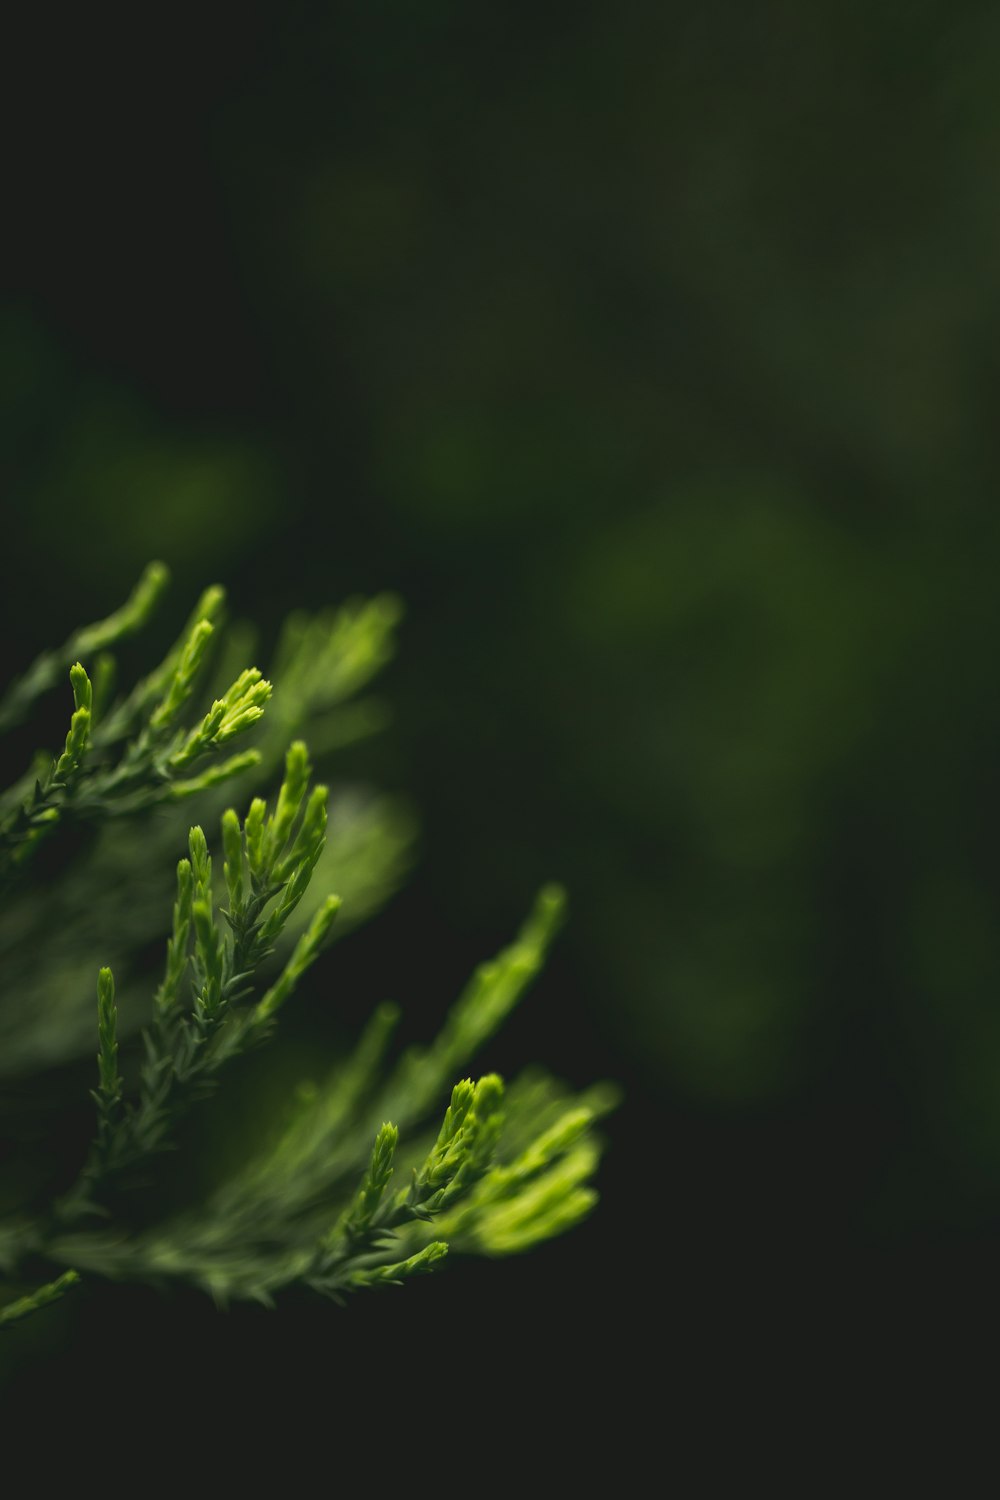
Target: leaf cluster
[[357, 1189]]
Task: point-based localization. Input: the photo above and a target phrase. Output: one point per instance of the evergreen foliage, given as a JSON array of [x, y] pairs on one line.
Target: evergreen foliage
[[359, 1189]]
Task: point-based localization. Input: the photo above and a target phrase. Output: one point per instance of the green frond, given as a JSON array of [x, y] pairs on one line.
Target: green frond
[[378, 1169], [177, 943], [182, 680], [395, 1274], [107, 1033], [305, 954]]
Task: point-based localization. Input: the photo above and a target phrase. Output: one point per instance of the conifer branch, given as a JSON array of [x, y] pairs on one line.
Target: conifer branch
[[358, 1190], [84, 782], [109, 1091], [267, 870]]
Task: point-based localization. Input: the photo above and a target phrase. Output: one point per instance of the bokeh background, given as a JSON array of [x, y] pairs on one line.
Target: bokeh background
[[651, 354]]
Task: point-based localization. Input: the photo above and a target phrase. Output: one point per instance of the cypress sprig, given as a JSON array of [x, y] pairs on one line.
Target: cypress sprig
[[185, 1051], [358, 1190], [87, 781], [179, 791], [182, 679], [35, 814], [427, 1259], [293, 789], [112, 1121], [357, 1225], [228, 717], [232, 847], [201, 864], [540, 1193], [459, 1157], [177, 944], [110, 1086], [304, 955], [207, 960], [79, 724], [331, 1137], [461, 1153]]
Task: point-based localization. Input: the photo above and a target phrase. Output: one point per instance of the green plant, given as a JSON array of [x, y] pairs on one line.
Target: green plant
[[320, 1203]]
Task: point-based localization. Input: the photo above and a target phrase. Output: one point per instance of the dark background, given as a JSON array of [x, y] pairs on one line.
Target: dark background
[[651, 354]]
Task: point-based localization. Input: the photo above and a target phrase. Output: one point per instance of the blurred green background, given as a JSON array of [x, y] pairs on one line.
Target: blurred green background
[[651, 354]]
